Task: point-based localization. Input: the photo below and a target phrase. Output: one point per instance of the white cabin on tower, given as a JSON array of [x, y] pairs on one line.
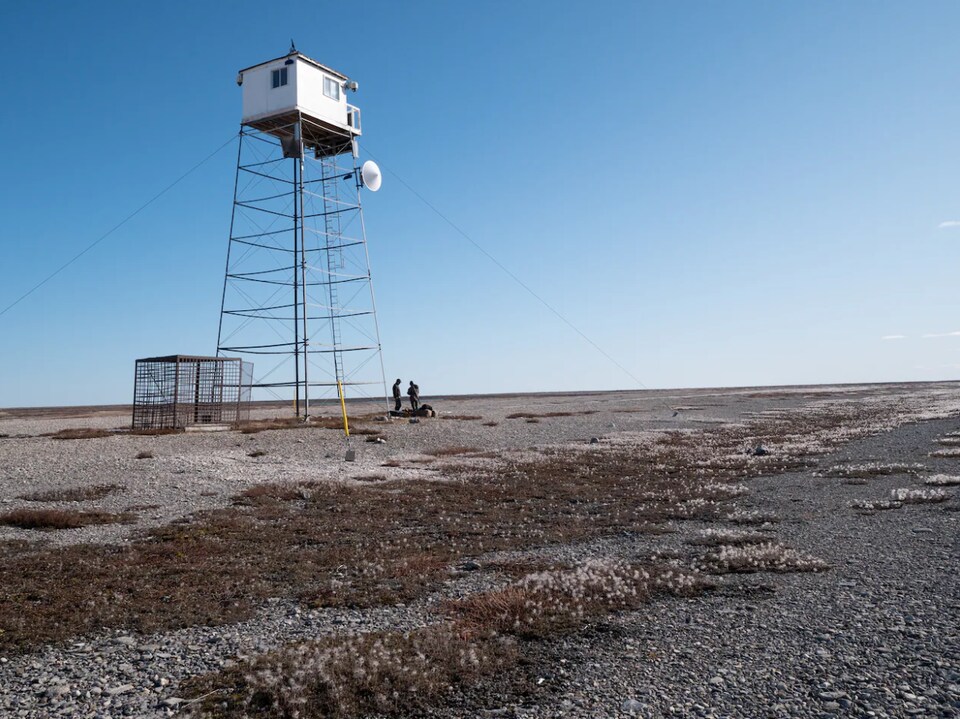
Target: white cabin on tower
[[280, 92]]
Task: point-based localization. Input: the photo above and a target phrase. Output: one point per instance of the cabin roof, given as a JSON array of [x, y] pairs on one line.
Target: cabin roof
[[303, 57]]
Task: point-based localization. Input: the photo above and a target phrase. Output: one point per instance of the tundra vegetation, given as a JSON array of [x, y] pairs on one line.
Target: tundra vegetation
[[383, 541]]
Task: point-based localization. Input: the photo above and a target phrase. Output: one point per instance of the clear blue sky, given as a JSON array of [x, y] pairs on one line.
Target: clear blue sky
[[716, 193]]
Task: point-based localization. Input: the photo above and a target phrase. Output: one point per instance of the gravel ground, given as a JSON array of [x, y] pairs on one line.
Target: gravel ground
[[877, 635]]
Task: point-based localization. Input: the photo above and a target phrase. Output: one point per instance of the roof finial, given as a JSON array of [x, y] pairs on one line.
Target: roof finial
[[293, 48]]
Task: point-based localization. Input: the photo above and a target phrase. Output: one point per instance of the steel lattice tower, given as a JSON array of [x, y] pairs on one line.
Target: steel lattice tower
[[297, 288]]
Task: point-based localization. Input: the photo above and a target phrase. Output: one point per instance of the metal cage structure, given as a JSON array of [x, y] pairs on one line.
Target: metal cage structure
[[178, 391], [297, 291]]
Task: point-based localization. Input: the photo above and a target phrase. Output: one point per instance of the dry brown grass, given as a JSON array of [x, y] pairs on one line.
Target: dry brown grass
[[148, 507], [464, 417], [162, 432], [450, 451], [73, 494], [490, 424], [278, 423], [544, 415], [50, 519], [270, 492], [257, 453], [520, 567], [79, 433], [370, 478]]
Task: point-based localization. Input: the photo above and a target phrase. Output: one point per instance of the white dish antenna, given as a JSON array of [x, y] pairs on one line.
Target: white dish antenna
[[372, 178]]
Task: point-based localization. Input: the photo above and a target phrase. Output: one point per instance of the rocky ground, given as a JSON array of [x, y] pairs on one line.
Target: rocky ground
[[876, 635]]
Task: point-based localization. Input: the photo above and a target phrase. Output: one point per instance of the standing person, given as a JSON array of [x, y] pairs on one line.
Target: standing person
[[396, 395], [414, 392]]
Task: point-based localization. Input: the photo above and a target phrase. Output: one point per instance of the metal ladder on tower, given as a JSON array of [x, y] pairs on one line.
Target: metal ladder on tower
[[334, 252]]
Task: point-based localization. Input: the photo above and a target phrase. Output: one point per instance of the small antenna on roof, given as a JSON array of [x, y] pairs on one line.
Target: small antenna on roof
[[293, 47]]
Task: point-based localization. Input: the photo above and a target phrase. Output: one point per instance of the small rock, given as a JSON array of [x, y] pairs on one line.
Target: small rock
[[832, 696], [122, 689], [594, 440], [469, 566], [716, 681], [631, 706]]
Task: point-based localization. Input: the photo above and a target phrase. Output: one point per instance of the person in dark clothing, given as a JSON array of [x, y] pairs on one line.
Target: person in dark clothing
[[414, 392], [396, 395]]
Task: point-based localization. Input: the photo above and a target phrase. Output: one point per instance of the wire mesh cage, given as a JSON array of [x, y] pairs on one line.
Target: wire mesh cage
[[176, 391]]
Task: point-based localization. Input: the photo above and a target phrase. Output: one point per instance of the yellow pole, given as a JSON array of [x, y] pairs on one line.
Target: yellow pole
[[343, 408]]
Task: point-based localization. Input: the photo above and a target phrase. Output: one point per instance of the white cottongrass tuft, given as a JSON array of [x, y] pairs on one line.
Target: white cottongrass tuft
[[876, 505], [552, 601], [871, 469], [730, 537], [389, 673], [762, 557], [750, 516], [943, 480], [918, 496]]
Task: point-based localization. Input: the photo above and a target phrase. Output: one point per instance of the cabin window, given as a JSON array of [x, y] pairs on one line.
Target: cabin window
[[331, 88], [279, 77]]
